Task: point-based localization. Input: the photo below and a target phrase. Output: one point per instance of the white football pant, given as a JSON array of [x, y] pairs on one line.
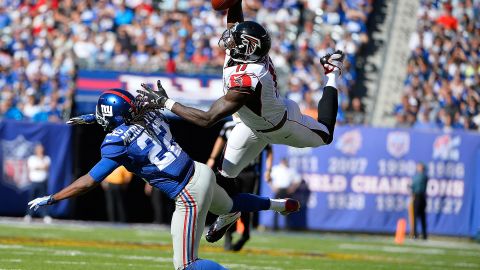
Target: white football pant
[[244, 144], [200, 195]]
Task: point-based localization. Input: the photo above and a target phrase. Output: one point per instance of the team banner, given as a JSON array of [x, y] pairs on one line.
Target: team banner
[[361, 182], [195, 90], [17, 142]]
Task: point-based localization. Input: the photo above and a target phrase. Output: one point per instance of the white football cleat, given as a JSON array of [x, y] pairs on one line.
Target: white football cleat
[[218, 229], [333, 62]]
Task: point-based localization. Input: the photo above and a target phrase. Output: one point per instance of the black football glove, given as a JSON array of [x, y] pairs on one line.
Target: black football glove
[[85, 119], [147, 97]]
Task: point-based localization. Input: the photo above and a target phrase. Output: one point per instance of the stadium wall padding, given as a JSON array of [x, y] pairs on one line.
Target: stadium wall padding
[[476, 207], [361, 182], [17, 142]]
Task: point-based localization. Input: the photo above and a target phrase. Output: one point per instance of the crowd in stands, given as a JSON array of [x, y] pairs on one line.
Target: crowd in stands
[[44, 42], [37, 69], [442, 88]]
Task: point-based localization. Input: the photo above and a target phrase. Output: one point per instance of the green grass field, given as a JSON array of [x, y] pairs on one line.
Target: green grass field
[[72, 246]]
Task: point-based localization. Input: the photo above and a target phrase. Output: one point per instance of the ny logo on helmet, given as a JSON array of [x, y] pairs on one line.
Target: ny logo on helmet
[[107, 110], [251, 44]]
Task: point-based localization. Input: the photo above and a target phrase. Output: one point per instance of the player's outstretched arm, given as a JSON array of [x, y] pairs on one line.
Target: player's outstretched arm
[[235, 14], [223, 107], [80, 186]]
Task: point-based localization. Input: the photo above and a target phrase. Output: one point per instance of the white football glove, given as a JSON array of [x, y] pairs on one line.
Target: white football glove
[[85, 119], [36, 203]]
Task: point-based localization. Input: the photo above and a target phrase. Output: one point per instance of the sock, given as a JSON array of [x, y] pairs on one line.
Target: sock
[[201, 264], [327, 110], [277, 205], [246, 202], [332, 79]]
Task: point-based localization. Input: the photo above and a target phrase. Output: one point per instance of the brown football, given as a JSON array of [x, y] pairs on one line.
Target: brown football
[[223, 4]]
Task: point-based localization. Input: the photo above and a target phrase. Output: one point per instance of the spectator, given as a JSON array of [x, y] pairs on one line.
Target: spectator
[[284, 182], [41, 45], [423, 122], [38, 172], [114, 186], [442, 72], [9, 110], [356, 115], [419, 195], [447, 20], [30, 108]]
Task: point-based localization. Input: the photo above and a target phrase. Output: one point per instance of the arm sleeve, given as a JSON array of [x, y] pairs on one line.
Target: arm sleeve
[[102, 169]]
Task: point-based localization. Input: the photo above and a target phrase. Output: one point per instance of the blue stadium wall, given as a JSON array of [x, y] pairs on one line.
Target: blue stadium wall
[[361, 182]]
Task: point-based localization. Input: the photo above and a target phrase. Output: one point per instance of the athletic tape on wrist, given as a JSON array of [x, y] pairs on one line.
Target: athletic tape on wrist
[[332, 79], [169, 104]]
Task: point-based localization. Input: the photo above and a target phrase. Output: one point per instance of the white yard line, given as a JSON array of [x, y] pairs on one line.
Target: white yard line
[[467, 265], [249, 267], [445, 244], [393, 249], [10, 246], [21, 252], [66, 262], [74, 253], [14, 260], [148, 258], [136, 266]]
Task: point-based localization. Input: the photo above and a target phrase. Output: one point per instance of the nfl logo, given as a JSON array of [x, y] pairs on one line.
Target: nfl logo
[[398, 143], [14, 155]]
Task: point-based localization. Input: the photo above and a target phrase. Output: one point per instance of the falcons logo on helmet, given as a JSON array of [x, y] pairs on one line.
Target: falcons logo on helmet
[[251, 44]]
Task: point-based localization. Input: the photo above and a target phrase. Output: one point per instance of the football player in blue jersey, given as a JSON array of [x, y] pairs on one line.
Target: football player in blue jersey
[[141, 141]]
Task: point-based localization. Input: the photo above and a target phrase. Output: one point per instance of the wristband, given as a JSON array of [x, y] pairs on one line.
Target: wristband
[[169, 104], [51, 200]]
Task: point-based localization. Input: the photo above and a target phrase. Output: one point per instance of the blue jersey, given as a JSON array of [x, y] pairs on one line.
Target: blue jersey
[[150, 153]]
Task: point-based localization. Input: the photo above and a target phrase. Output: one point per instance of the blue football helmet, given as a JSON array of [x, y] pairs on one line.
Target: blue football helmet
[[115, 107]]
